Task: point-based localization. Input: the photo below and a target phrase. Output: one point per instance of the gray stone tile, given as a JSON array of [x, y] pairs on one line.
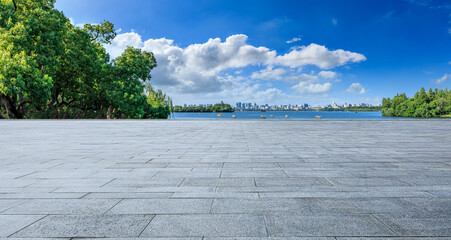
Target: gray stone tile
[[174, 189], [258, 173], [63, 206], [38, 195], [10, 224], [303, 194], [161, 206], [71, 182], [393, 238], [269, 238], [128, 195], [267, 205], [331, 174], [417, 225], [362, 206], [120, 226], [212, 225], [300, 225], [306, 181], [214, 195], [6, 204], [185, 238], [214, 182], [166, 182], [366, 182]]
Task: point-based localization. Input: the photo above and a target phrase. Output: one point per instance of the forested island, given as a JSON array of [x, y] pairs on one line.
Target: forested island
[[434, 103], [219, 107], [50, 68]]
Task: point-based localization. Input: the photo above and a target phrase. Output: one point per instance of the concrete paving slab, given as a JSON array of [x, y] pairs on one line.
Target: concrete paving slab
[[63, 206], [9, 224], [299, 225], [245, 180], [87, 226], [218, 225], [161, 206]]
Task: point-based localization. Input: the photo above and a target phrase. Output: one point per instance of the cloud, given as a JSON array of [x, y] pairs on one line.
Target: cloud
[[442, 79], [269, 73], [122, 41], [334, 21], [296, 39], [203, 67], [356, 88], [327, 74], [310, 87], [197, 68], [319, 56], [248, 92]]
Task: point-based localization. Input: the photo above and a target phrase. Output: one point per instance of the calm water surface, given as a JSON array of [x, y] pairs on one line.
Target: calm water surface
[[282, 114]]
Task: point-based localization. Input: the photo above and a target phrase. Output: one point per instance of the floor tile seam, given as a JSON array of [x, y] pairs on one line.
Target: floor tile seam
[[25, 175], [120, 200], [380, 221], [107, 182], [139, 235], [83, 197], [266, 225], [330, 182], [28, 225], [14, 205]]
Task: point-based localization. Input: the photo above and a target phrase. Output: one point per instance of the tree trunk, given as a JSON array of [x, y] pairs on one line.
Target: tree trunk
[[10, 107], [108, 115]]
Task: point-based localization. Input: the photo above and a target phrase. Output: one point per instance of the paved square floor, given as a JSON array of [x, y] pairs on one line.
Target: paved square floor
[[218, 180]]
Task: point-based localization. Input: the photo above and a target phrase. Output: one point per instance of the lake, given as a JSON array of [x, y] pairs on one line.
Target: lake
[[282, 114]]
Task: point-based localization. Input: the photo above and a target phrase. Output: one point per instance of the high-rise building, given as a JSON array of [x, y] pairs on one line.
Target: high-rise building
[[238, 105]]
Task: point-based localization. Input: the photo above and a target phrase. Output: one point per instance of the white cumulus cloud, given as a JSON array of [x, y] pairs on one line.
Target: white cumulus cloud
[[327, 74], [319, 56], [442, 79], [311, 87], [203, 67], [356, 88], [269, 73]]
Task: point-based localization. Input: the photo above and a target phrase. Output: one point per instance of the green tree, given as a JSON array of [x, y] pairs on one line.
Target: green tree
[[31, 33], [52, 69], [435, 103], [126, 93], [159, 105]]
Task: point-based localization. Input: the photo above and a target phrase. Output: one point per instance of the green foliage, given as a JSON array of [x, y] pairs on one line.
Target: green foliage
[[159, 105], [103, 32], [52, 69], [219, 107], [435, 103]]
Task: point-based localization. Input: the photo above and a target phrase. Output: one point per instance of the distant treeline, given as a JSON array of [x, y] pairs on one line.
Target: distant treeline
[[219, 107], [435, 103], [353, 109]]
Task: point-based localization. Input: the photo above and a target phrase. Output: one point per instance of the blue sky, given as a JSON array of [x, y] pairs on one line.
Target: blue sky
[[281, 52]]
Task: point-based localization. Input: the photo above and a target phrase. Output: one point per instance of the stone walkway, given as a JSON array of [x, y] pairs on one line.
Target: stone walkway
[[210, 180]]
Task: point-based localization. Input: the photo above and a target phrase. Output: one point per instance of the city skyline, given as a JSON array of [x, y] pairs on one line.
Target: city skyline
[[250, 105], [282, 51]]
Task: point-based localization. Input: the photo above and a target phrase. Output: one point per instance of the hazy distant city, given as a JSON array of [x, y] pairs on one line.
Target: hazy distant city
[[305, 106]]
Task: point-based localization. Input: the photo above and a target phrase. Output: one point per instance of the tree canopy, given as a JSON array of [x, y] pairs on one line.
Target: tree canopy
[[434, 103], [50, 68]]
